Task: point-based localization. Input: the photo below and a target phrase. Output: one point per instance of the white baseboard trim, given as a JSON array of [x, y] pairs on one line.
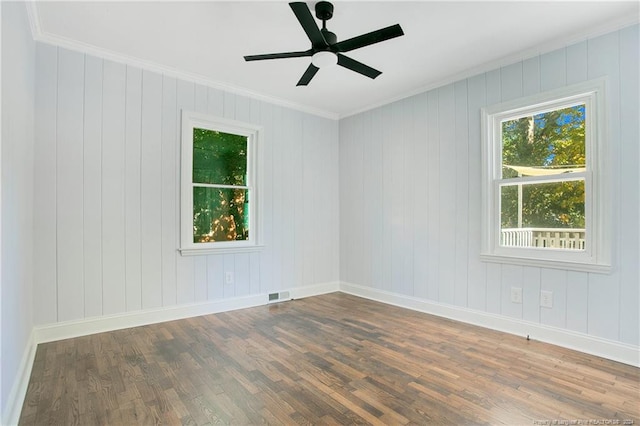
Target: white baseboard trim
[[86, 326], [13, 408], [314, 290], [616, 351]]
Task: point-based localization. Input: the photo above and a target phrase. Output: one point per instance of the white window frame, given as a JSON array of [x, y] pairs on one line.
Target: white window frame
[[596, 257], [193, 120]]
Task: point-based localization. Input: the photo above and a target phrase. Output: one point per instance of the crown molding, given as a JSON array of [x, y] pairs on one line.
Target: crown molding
[[43, 37], [34, 19], [604, 28]]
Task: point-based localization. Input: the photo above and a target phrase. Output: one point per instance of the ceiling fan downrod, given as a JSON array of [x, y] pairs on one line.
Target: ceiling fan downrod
[[324, 12]]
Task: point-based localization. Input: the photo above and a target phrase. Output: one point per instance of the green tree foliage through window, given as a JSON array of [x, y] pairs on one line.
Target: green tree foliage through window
[[220, 195], [546, 143]]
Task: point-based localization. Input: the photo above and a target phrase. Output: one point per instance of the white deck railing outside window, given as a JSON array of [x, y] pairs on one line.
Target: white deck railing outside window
[[573, 239]]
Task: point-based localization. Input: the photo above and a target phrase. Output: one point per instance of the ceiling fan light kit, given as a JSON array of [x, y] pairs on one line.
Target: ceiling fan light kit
[[324, 59], [326, 50]]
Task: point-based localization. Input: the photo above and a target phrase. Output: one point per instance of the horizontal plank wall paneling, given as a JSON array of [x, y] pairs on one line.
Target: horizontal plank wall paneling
[[413, 228], [107, 216]]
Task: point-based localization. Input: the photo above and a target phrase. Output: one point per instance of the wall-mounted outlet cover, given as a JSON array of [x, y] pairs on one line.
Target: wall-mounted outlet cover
[[516, 295]]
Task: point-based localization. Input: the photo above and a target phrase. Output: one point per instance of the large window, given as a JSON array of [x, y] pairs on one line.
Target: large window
[[543, 181], [219, 185]]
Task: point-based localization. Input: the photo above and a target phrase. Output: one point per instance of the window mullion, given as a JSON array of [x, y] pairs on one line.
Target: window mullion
[[566, 177], [213, 185]]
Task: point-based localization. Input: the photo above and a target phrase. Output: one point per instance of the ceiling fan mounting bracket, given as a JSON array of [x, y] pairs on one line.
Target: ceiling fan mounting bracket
[[324, 11]]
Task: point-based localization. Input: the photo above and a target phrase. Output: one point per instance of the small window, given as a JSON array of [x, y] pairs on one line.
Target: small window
[[219, 185], [542, 180]]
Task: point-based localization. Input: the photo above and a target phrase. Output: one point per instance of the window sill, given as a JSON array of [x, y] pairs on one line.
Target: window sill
[[219, 250], [553, 264]]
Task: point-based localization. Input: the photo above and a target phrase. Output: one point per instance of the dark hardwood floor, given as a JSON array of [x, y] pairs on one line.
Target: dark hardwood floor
[[331, 359]]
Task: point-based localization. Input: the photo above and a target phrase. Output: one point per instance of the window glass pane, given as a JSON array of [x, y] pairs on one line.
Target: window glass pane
[[544, 144], [549, 215], [220, 214], [219, 158]]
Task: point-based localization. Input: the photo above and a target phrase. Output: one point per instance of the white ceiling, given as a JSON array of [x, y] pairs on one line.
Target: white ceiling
[[443, 41]]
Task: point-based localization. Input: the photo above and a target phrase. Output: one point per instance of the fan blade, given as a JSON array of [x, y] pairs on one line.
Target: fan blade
[[302, 12], [278, 55], [359, 67], [308, 75], [369, 38]]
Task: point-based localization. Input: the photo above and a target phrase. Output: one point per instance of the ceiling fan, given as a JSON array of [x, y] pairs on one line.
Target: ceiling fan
[[325, 47]]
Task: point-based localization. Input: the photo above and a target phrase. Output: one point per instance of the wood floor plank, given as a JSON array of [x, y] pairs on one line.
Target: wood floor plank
[[330, 359]]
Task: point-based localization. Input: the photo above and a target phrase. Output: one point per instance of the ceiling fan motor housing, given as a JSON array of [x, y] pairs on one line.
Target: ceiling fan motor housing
[[329, 37]]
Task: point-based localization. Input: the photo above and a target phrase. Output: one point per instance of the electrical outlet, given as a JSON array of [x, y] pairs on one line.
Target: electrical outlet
[[546, 299], [228, 277], [516, 295]]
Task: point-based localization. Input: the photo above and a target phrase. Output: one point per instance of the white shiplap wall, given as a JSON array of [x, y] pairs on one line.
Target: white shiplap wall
[[410, 196], [16, 190], [107, 193]]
